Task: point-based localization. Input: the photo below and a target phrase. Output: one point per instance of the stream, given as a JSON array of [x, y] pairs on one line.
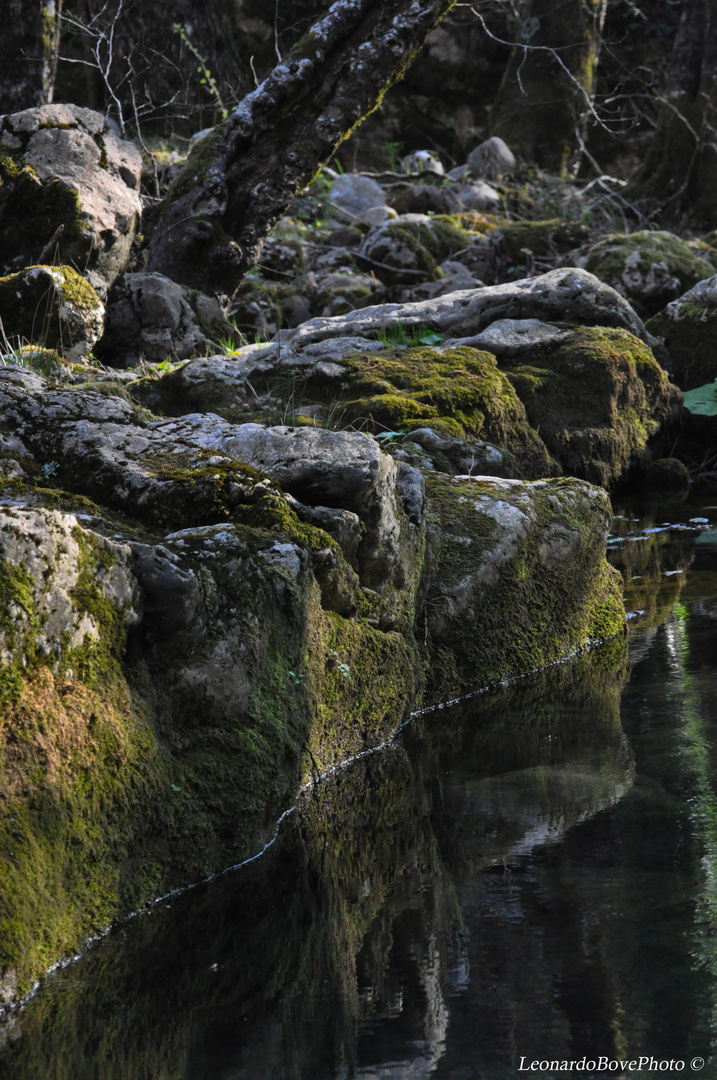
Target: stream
[[527, 876]]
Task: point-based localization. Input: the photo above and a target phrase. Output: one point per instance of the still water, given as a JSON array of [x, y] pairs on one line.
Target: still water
[[529, 876]]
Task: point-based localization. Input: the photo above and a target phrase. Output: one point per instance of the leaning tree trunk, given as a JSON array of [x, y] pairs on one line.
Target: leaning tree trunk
[[241, 178], [28, 54], [546, 94], [679, 174]]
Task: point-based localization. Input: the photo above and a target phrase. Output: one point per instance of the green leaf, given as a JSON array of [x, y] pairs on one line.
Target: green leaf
[[430, 339], [703, 400]]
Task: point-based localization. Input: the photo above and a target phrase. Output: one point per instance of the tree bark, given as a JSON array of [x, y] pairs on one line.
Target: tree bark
[[28, 54], [679, 175], [546, 93], [241, 178]]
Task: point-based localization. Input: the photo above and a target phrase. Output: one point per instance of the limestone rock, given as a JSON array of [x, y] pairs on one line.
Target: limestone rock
[[353, 194], [562, 296], [152, 318], [503, 545], [50, 565], [649, 268], [62, 165], [688, 329], [51, 307], [596, 395], [491, 159], [422, 161]]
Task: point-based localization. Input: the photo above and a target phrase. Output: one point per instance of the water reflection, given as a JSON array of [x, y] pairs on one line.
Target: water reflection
[[341, 952], [532, 874]]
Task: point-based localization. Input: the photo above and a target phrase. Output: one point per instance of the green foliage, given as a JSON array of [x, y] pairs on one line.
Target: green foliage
[[703, 400], [206, 79]]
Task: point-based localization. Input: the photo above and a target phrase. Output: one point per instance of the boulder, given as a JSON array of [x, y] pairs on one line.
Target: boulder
[[649, 268], [561, 296], [422, 161], [495, 546], [491, 159], [687, 328], [51, 307], [407, 251], [596, 395], [150, 317], [353, 194], [69, 186]]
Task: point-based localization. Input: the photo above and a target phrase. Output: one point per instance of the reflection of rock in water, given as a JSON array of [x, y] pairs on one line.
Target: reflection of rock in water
[[363, 919]]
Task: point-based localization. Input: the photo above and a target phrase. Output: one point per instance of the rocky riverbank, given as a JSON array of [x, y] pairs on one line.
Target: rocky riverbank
[[225, 571]]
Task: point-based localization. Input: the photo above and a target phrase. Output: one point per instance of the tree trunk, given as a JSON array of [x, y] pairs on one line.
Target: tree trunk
[[679, 174], [241, 178], [546, 93], [28, 54]]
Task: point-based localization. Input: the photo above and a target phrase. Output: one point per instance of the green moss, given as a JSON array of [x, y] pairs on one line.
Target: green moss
[[596, 400], [458, 391]]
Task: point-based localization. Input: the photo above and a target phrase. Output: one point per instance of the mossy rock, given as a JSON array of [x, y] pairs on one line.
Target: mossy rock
[[688, 329], [597, 399], [522, 241], [501, 547], [51, 307], [408, 252], [458, 392], [649, 268]]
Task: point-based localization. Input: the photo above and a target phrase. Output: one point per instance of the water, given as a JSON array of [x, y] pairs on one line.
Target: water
[[531, 876]]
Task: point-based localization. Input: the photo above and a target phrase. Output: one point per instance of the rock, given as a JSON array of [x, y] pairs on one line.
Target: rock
[[407, 251], [688, 329], [503, 545], [422, 161], [479, 196], [64, 166], [597, 396], [353, 194], [560, 296], [344, 469], [51, 307], [152, 318], [58, 573], [491, 159], [519, 244], [508, 338], [426, 448], [180, 655], [455, 276], [649, 268]]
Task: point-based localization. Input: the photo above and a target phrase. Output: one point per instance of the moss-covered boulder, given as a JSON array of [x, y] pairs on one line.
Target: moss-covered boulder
[[688, 330], [649, 268], [597, 397], [68, 186], [51, 307], [503, 547], [524, 245], [408, 251], [458, 392]]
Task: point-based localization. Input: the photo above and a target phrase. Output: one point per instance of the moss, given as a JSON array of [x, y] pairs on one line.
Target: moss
[[52, 308], [596, 400], [667, 474], [458, 391]]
